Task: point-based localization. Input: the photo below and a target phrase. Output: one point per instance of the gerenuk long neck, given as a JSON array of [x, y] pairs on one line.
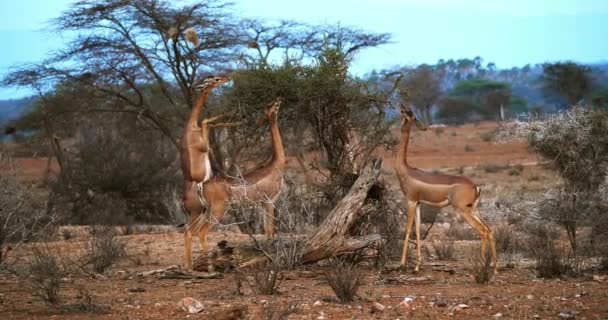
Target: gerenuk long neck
[[403, 144], [198, 106], [278, 152]]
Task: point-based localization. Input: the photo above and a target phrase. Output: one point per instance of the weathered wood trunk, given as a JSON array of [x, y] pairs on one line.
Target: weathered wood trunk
[[331, 238]]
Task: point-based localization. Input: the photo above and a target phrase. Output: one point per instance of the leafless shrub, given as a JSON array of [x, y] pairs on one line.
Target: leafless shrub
[[44, 272], [468, 148], [274, 310], [344, 278], [482, 268], [551, 260], [104, 248], [268, 279], [23, 216]]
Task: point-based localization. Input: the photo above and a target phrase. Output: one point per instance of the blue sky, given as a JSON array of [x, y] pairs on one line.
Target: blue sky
[[507, 32]]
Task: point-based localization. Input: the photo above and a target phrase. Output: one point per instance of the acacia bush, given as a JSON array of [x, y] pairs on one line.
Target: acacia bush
[[576, 142]]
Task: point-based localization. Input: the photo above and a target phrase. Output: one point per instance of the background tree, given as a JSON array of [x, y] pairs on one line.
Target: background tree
[[423, 86], [489, 96], [121, 49], [568, 80], [323, 106]]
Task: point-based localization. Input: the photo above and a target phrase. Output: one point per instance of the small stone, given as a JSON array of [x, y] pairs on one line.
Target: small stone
[[597, 278], [529, 297], [190, 305], [377, 307], [321, 318], [441, 303], [461, 307], [566, 315], [386, 296], [498, 315], [158, 305], [100, 277], [263, 301], [409, 298], [121, 274], [317, 303]]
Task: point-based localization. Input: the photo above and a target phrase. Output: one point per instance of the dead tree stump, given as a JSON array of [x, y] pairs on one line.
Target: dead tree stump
[[331, 238]]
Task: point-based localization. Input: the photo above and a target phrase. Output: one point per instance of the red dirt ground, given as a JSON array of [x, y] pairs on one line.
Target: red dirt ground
[[513, 294]]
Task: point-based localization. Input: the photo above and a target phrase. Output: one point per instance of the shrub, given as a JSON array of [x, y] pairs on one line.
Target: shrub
[[44, 272], [118, 172], [275, 310], [487, 136], [343, 278], [468, 148], [482, 268], [104, 248], [23, 216], [551, 260], [268, 279], [577, 143]]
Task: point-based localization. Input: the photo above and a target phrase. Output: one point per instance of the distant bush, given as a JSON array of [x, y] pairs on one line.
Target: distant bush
[[118, 172]]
